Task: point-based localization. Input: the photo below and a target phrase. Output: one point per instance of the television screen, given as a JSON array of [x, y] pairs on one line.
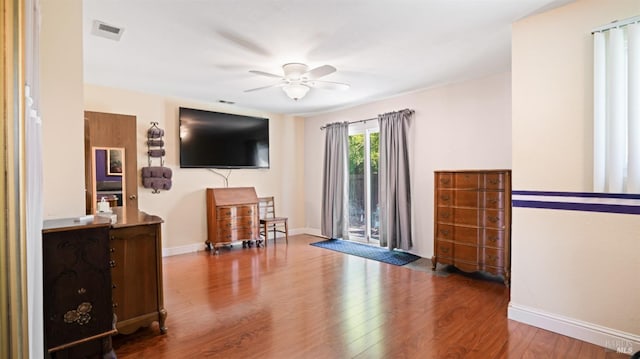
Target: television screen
[[222, 140]]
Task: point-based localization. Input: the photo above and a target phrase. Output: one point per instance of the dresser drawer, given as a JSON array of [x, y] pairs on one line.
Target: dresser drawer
[[467, 235], [235, 211], [462, 198], [444, 231], [445, 197], [459, 234], [466, 198], [493, 200], [445, 180], [465, 253], [238, 222], [466, 180], [493, 218], [494, 181], [464, 216], [444, 249], [493, 257], [235, 234], [493, 238]]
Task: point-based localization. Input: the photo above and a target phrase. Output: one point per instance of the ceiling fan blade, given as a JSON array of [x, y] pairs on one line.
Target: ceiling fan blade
[[265, 74], [318, 72], [328, 85], [264, 87]]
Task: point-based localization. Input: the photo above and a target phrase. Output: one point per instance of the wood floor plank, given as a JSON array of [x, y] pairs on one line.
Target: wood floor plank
[[300, 301]]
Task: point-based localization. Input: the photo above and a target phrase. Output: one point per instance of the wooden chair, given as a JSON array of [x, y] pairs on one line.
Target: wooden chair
[[269, 221]]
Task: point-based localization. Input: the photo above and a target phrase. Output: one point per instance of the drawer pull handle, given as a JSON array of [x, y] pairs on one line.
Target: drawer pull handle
[[494, 181], [82, 291], [444, 249], [112, 250], [112, 263], [493, 258], [115, 305], [493, 219], [445, 197], [445, 232], [493, 239], [445, 180], [493, 201], [113, 286], [445, 215]]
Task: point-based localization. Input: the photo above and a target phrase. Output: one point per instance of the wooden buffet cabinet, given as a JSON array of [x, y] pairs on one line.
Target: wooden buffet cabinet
[[232, 215], [472, 228], [100, 279]]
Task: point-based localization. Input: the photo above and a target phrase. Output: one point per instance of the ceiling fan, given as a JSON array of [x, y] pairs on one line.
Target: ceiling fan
[[298, 80]]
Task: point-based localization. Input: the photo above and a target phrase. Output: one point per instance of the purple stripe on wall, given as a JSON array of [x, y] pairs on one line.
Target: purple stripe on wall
[[577, 194], [585, 207], [576, 204]]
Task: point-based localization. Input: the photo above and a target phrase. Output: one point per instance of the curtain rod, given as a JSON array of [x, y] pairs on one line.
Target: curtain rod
[[352, 122], [365, 120], [616, 23]]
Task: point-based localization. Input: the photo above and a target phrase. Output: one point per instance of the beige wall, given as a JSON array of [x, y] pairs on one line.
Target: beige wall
[[183, 207], [459, 126], [579, 268], [61, 108]]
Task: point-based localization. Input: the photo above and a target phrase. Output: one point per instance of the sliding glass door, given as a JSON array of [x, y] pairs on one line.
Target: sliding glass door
[[363, 183]]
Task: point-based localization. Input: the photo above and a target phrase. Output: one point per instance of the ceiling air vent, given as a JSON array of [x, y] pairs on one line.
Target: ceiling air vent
[[107, 31]]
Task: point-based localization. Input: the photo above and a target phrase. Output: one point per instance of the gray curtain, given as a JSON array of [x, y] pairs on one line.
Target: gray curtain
[[394, 189], [335, 196]]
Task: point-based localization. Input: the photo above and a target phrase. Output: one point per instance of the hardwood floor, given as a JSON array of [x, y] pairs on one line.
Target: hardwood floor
[[300, 301]]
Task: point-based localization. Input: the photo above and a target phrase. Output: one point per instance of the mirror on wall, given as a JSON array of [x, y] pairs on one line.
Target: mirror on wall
[[108, 176]]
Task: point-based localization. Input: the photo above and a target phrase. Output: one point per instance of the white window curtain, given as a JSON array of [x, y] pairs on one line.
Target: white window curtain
[[33, 186], [617, 109]]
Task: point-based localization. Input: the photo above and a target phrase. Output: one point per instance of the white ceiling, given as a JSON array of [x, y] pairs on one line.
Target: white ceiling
[[203, 50]]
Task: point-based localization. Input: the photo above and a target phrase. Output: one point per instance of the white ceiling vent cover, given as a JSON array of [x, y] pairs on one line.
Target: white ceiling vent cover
[[107, 31]]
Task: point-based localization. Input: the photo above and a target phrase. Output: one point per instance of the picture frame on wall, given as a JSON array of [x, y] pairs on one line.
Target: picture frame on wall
[[114, 162]]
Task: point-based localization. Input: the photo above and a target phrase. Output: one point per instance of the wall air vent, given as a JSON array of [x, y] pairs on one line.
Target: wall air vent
[[107, 31]]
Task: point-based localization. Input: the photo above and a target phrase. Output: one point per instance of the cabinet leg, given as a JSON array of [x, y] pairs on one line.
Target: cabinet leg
[[507, 278], [208, 244], [162, 316], [434, 263]]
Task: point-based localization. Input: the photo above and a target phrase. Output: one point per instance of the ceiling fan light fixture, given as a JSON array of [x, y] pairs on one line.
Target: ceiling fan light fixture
[[295, 91]]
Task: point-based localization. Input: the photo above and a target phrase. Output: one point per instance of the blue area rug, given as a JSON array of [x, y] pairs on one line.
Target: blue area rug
[[365, 251]]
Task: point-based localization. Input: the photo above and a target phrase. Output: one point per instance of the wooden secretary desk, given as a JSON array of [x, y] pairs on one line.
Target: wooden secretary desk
[[232, 215]]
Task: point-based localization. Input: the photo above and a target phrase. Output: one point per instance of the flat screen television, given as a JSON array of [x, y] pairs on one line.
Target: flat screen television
[[222, 140]]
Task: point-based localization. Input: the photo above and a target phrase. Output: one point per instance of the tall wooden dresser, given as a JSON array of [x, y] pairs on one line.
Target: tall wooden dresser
[[232, 215], [472, 228]]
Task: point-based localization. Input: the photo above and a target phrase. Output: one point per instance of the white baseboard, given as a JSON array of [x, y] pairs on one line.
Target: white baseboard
[[195, 247], [189, 248], [611, 339]]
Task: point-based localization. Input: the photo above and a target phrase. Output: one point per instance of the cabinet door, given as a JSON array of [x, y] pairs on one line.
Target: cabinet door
[[77, 285], [135, 271]]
